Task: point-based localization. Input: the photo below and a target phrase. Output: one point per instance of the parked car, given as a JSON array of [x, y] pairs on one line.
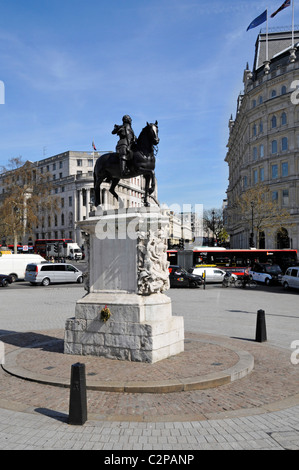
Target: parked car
[[291, 278], [48, 273], [5, 280], [15, 265], [179, 277], [266, 273], [213, 274]]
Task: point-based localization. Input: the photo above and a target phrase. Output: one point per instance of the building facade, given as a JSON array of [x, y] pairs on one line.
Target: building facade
[[71, 175], [263, 145]]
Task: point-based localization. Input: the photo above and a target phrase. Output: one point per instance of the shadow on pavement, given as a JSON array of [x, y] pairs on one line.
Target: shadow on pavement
[[62, 417], [32, 340]]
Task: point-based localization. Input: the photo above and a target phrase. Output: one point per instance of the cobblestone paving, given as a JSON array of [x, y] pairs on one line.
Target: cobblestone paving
[[260, 411]]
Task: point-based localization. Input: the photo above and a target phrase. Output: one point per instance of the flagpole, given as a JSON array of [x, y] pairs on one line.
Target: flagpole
[[293, 24], [267, 44]]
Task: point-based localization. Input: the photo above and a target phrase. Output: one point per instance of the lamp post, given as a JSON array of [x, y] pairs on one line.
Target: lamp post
[[251, 240], [213, 226]]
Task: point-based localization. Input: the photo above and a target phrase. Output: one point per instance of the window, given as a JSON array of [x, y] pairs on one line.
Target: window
[[90, 162], [245, 182], [47, 268], [293, 273], [261, 127], [285, 169], [274, 171], [285, 197], [262, 174], [62, 202], [273, 93], [275, 196], [283, 90], [254, 153], [284, 143], [79, 162], [260, 99], [54, 166], [262, 151], [255, 177], [60, 164], [283, 119], [254, 130], [274, 146], [62, 219], [273, 122], [70, 201]]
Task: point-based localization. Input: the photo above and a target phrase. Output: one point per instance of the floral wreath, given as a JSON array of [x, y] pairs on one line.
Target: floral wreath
[[105, 314]]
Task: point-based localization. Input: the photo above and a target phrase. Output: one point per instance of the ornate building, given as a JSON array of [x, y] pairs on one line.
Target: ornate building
[[71, 174], [264, 139]]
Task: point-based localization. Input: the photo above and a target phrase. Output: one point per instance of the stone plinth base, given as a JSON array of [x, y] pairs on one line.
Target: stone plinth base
[[140, 328], [128, 273]]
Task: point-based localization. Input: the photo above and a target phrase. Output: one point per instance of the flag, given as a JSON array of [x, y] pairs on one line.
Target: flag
[[94, 147], [285, 4], [259, 20]]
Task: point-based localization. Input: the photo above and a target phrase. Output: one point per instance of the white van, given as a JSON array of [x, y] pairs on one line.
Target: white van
[[48, 273], [213, 274], [15, 265], [291, 278]]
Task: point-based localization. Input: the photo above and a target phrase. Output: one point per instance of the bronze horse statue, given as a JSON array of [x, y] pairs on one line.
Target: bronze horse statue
[[143, 161]]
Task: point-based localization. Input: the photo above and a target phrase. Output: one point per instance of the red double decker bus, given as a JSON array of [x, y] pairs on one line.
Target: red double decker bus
[[43, 246], [225, 258]]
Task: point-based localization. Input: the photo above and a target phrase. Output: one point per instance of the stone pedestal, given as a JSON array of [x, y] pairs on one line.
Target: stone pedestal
[[127, 277]]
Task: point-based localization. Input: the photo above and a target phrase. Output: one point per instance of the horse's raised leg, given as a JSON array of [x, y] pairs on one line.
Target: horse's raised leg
[[153, 183], [97, 191], [146, 190], [114, 183]]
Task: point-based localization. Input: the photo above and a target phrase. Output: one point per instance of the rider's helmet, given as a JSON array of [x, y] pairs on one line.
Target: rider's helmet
[[127, 118]]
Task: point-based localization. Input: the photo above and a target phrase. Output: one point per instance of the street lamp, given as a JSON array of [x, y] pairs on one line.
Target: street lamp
[[213, 226], [251, 240]]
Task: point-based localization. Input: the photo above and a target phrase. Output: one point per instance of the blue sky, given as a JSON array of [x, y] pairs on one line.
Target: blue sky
[[73, 68]]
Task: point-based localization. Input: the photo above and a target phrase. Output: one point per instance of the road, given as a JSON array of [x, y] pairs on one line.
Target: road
[[216, 310], [228, 312]]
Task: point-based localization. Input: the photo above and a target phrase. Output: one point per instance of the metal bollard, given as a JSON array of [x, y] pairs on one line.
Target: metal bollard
[[261, 333], [78, 401]]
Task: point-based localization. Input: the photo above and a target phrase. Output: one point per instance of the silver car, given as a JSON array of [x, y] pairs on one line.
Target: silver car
[[213, 274], [291, 278], [52, 273]]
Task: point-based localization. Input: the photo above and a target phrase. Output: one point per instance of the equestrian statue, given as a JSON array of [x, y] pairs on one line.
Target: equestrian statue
[[133, 157]]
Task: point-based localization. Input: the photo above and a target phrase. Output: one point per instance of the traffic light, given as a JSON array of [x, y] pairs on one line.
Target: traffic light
[[182, 243], [56, 248]]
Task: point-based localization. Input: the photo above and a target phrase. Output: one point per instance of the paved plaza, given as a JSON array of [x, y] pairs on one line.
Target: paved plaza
[[260, 410]]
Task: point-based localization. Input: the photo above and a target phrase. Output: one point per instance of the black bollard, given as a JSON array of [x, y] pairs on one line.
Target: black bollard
[[261, 333], [78, 402]]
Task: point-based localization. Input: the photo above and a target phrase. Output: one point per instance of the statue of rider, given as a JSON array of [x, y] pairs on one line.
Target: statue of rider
[[124, 145]]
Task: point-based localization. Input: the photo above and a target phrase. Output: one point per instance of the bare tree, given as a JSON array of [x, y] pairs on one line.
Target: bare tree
[[213, 221], [26, 196], [259, 212]]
